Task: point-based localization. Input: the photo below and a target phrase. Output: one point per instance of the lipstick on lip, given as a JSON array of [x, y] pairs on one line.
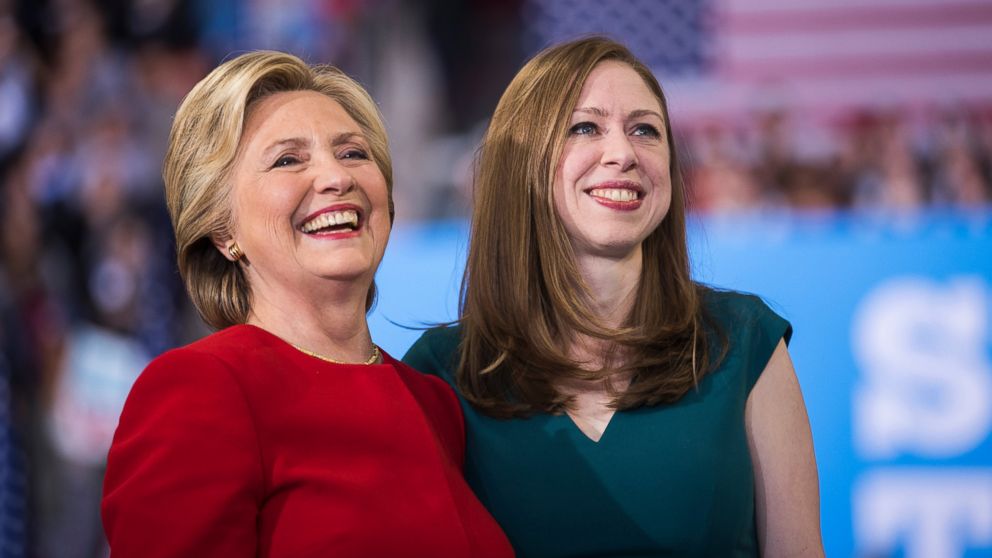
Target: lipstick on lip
[[339, 233], [619, 204]]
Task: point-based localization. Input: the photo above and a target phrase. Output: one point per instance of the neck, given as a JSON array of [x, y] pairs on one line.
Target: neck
[[612, 284], [330, 321]]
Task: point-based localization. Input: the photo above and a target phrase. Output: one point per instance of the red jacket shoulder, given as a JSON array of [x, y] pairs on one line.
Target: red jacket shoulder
[[440, 405]]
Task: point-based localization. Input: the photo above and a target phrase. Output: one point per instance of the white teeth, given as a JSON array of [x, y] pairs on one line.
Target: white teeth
[[330, 219], [614, 194]]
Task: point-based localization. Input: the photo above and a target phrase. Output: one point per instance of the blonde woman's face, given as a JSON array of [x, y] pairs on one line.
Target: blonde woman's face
[[612, 185], [308, 202]]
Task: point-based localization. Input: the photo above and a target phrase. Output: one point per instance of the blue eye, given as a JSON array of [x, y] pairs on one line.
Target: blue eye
[[285, 161], [583, 129], [646, 130]]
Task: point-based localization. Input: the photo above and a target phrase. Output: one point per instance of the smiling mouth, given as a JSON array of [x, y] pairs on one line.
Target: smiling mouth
[[616, 194], [340, 221]]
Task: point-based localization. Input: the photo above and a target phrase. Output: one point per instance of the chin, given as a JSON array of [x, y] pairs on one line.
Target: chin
[[353, 272], [615, 249]]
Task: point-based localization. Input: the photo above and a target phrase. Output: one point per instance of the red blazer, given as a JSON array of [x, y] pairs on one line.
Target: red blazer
[[239, 445]]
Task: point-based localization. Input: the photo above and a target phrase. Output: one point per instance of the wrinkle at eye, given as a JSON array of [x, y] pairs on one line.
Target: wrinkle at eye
[[273, 229]]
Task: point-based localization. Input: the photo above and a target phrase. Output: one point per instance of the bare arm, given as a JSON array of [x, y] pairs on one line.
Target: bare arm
[[787, 496]]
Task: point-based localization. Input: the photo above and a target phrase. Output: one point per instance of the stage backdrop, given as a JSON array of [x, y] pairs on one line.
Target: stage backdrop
[[892, 346]]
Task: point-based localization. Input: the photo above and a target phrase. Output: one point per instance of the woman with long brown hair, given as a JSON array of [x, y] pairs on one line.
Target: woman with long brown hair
[[614, 406]]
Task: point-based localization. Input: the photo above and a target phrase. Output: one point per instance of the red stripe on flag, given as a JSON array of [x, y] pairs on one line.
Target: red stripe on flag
[[829, 68], [870, 17]]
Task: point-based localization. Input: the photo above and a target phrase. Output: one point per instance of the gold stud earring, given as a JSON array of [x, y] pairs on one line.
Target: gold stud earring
[[235, 251]]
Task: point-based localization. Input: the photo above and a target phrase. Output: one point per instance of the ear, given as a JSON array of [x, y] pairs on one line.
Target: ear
[[223, 243]]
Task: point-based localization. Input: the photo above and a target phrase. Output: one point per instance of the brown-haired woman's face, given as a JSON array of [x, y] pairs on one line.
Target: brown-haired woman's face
[[309, 203], [612, 186]]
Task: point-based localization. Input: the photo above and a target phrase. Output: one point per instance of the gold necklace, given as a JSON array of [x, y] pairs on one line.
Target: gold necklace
[[373, 358]]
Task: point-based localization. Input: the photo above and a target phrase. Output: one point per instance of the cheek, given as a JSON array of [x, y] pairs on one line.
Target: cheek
[[665, 202], [379, 219], [665, 191], [243, 211], [379, 230], [576, 161], [567, 175], [373, 185], [560, 198], [264, 208], [657, 169], [375, 190], [379, 198]]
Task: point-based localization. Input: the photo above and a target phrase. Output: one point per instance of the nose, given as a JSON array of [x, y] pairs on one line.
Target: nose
[[618, 151], [333, 177]]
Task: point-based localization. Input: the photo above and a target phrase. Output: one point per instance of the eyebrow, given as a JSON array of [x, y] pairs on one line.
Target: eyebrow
[[345, 137], [592, 110], [645, 112], [288, 142], [633, 114], [299, 142]]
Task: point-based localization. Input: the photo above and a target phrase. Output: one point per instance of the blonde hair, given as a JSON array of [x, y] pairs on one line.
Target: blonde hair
[[522, 295], [203, 145]]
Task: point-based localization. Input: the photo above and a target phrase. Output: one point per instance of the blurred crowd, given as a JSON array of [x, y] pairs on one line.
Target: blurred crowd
[[880, 160], [88, 287]]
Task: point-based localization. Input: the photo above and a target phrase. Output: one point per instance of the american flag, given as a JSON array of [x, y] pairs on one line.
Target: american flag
[[716, 56]]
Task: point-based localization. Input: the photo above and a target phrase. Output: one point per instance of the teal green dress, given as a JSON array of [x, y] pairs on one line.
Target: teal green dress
[[668, 480]]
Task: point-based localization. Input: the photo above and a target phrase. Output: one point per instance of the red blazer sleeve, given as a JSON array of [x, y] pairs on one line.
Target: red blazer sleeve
[[184, 474]]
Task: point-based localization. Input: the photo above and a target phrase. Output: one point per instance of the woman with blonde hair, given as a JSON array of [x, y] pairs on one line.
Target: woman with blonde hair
[[288, 432], [614, 407]]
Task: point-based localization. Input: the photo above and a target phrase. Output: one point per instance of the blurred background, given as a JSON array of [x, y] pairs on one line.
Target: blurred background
[[838, 152]]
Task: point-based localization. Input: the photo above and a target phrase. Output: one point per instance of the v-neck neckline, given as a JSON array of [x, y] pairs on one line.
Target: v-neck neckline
[[602, 435]]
